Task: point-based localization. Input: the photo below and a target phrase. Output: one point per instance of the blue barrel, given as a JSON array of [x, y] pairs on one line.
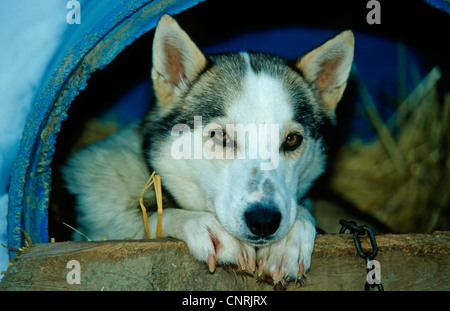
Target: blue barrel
[[106, 28]]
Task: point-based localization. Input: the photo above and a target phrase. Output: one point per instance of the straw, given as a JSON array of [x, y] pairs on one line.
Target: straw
[[156, 181], [402, 179]]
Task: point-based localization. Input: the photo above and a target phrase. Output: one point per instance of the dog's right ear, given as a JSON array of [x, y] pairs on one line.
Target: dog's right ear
[[177, 61]]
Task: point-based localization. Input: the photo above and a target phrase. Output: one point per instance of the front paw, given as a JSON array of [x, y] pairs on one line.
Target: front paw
[[209, 242], [289, 258]]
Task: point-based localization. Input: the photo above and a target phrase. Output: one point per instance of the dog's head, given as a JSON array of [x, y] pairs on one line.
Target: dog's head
[[240, 134]]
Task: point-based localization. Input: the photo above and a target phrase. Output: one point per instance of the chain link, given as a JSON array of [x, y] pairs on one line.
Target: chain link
[[369, 255]]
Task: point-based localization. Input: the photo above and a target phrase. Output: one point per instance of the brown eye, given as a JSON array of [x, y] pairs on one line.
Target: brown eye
[[292, 141], [219, 137]]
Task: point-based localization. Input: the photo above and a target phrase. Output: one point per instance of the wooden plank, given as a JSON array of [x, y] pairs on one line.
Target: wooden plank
[[408, 262]]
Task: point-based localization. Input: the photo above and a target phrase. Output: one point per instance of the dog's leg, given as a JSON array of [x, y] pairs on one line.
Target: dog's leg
[[206, 238], [289, 258]]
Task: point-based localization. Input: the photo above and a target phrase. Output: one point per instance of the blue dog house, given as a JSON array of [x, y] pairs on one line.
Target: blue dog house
[[106, 28]]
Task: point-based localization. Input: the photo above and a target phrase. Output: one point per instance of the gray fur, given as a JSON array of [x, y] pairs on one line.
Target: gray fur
[[207, 201]]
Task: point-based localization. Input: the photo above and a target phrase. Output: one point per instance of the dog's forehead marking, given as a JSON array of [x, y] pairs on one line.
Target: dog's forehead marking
[[264, 99]]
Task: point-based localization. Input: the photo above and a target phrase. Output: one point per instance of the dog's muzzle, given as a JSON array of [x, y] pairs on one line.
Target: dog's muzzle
[[262, 220]]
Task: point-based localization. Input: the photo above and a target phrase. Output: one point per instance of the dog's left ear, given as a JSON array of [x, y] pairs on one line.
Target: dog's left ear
[[176, 61], [328, 66]]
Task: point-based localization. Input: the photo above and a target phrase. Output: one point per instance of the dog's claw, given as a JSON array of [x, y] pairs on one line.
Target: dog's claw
[[241, 264], [252, 266], [211, 263], [260, 267], [301, 270], [247, 263]]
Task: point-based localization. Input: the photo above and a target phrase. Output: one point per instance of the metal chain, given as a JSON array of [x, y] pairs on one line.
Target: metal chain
[[369, 255]]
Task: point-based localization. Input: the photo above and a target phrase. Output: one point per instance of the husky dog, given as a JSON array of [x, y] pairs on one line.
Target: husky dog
[[231, 205]]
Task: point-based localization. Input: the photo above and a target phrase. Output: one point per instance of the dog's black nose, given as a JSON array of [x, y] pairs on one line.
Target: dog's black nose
[[262, 221]]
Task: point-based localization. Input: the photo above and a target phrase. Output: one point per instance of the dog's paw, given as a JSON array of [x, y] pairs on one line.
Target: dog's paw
[[289, 258], [208, 241]]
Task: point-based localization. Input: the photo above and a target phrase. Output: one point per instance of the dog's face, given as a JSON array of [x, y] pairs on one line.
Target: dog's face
[[240, 134]]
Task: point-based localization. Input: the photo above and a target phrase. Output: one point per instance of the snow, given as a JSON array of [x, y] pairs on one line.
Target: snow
[[30, 33]]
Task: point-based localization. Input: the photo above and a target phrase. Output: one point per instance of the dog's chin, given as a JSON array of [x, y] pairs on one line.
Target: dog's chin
[[260, 241]]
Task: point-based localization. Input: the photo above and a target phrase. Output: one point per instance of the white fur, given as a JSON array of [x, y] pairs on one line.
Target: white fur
[[221, 188], [107, 178], [213, 194]]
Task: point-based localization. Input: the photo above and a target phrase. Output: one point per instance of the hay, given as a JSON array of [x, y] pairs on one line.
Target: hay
[[403, 179], [156, 181]]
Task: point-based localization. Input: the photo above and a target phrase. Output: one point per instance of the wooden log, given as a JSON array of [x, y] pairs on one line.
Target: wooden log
[[408, 262]]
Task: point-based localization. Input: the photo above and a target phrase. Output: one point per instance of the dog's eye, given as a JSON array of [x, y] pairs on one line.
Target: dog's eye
[[220, 137], [293, 141]]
